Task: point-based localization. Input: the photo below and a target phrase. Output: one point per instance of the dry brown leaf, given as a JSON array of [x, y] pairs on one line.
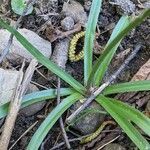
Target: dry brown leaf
[[143, 73]]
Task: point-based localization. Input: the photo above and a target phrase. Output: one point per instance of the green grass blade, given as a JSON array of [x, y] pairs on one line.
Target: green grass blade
[[47, 124], [89, 38], [35, 97], [43, 60], [122, 23], [131, 114], [129, 129], [138, 20], [128, 87]]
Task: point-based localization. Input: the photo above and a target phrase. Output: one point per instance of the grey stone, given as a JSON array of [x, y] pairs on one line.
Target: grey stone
[[146, 5], [32, 109], [76, 11], [67, 23], [17, 51], [88, 123], [124, 6]]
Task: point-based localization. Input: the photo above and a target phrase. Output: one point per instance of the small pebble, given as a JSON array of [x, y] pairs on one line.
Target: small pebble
[[91, 121], [146, 5], [75, 10], [67, 23], [126, 7]]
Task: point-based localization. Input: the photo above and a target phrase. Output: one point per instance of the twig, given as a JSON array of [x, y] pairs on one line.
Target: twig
[[15, 104], [108, 142], [6, 49], [23, 134], [70, 140], [39, 85], [9, 123], [60, 119], [104, 85], [60, 35]]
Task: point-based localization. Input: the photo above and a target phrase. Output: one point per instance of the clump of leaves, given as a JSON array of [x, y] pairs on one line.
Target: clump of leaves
[[124, 114], [18, 6]]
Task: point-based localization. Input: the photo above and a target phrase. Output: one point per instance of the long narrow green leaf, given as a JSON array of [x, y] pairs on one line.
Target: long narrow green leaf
[[122, 23], [44, 128], [128, 87], [129, 129], [130, 113], [35, 97], [113, 43], [89, 38], [43, 60]]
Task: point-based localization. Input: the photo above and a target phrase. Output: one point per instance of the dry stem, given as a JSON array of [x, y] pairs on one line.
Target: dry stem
[[15, 104]]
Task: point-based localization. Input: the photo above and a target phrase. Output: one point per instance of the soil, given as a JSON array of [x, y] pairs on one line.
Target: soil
[[109, 15]]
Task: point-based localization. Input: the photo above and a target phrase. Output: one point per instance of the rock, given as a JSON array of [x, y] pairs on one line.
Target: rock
[[126, 7], [60, 54], [8, 82], [17, 51], [67, 23], [147, 5], [113, 146], [32, 109], [90, 122], [87, 5], [76, 11]]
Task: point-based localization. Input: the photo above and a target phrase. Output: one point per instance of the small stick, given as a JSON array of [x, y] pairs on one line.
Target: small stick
[[61, 35], [6, 49], [10, 120], [60, 119], [30, 128], [15, 104], [39, 85], [109, 142], [104, 85], [70, 140]]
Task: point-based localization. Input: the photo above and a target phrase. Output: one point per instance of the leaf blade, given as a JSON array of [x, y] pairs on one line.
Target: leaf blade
[[129, 112], [122, 23], [50, 120], [121, 35], [35, 97], [133, 86], [18, 7], [89, 38], [129, 129]]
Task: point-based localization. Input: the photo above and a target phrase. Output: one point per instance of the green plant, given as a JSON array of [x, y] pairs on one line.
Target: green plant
[[18, 7], [122, 113]]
